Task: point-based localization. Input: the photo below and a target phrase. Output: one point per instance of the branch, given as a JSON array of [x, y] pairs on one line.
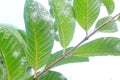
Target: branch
[[70, 51]]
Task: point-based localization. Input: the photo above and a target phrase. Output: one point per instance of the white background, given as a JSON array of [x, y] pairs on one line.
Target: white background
[[99, 68]]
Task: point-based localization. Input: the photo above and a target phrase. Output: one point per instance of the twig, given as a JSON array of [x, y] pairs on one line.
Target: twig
[[70, 51]]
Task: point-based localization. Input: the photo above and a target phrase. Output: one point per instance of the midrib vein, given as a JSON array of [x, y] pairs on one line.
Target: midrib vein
[[86, 23]]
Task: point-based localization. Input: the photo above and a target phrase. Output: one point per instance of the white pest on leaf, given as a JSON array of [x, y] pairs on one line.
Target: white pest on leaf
[[39, 12], [23, 60], [68, 1], [66, 10], [16, 54]]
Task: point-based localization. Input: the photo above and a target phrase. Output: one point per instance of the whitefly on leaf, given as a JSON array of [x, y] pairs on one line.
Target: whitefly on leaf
[[16, 54], [23, 61], [41, 12]]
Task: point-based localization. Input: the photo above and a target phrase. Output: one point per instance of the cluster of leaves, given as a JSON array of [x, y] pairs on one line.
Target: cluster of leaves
[[25, 53]]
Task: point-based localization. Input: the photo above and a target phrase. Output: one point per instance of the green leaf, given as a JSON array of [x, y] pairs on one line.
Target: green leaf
[[64, 16], [109, 4], [28, 73], [119, 18], [110, 27], [70, 59], [38, 24], [1, 68], [23, 34], [51, 75], [100, 47], [13, 53], [86, 12]]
